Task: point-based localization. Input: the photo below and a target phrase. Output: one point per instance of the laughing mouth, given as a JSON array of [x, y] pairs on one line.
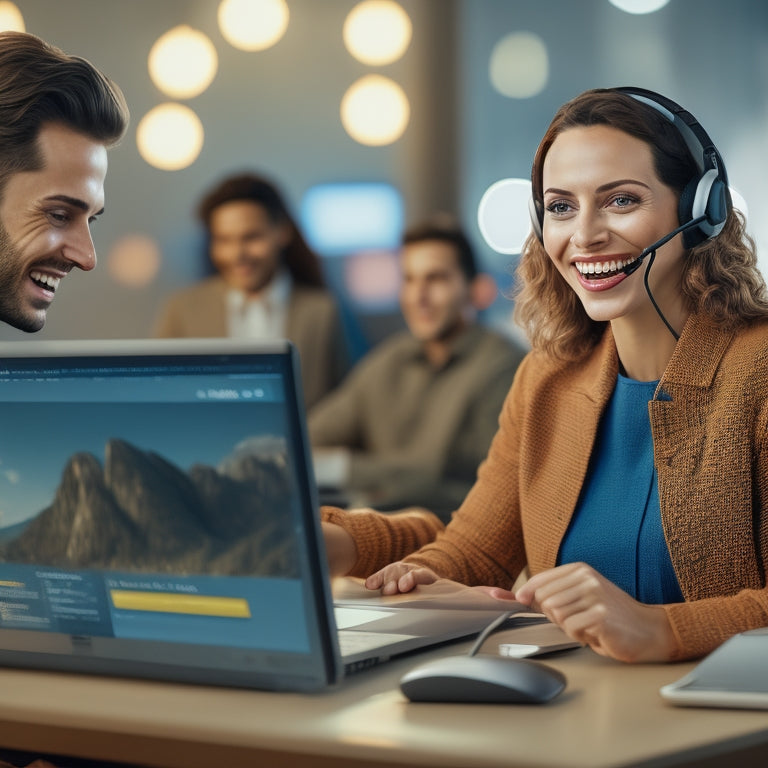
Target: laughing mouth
[[48, 282], [596, 270]]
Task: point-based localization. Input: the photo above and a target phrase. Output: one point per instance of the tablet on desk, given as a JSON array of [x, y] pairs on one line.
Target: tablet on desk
[[733, 675]]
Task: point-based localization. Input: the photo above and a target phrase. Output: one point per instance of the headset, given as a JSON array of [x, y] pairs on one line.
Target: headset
[[705, 201]]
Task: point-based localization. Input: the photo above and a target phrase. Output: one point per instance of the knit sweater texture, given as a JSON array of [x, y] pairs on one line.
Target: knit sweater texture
[[710, 430]]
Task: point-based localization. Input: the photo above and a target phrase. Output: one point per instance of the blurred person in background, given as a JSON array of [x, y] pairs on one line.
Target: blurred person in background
[[416, 415], [267, 284]]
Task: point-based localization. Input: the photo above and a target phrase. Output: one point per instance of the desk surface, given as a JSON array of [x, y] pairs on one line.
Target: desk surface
[[611, 714]]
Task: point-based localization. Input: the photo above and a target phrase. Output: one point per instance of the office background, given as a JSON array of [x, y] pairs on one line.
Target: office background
[[277, 111]]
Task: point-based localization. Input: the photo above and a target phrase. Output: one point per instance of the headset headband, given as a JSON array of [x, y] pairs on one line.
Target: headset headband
[[702, 148]]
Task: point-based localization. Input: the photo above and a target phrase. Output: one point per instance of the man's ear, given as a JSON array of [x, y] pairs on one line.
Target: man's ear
[[483, 291], [285, 233]]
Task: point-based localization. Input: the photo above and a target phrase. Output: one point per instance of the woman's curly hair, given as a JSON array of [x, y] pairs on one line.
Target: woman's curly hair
[[720, 279]]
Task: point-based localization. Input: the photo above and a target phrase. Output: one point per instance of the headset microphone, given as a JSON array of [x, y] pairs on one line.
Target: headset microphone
[[651, 251], [635, 265]]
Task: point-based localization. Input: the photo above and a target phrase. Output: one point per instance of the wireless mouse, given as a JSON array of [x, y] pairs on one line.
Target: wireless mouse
[[483, 679]]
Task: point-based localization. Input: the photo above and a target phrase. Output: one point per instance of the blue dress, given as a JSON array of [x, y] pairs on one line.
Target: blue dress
[[616, 526]]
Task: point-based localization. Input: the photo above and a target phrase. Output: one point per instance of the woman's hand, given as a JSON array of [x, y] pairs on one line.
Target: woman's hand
[[340, 549], [497, 593], [400, 577], [594, 611]]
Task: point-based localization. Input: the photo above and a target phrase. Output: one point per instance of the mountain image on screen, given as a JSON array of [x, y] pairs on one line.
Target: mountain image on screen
[[140, 512]]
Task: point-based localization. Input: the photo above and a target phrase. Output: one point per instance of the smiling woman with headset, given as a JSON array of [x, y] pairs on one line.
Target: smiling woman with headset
[[630, 469]]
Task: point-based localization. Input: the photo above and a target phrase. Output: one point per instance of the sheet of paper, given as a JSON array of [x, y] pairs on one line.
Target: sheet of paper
[[442, 594]]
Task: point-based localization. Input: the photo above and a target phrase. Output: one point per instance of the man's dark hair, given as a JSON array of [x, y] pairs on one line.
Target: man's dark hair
[[40, 85], [297, 257], [445, 230]]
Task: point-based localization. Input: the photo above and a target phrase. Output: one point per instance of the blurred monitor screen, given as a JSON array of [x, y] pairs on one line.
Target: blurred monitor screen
[[341, 218]]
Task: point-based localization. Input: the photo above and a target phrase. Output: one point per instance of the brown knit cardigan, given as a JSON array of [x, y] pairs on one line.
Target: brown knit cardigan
[[709, 422]]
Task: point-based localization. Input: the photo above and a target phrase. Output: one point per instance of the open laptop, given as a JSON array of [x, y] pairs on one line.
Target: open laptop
[[158, 518]]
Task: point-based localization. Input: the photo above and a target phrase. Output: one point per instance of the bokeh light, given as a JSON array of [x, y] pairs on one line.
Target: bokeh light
[[485, 290], [253, 25], [183, 62], [519, 65], [375, 110], [372, 278], [11, 19], [639, 6], [503, 216], [739, 203], [170, 137], [377, 32], [134, 261]]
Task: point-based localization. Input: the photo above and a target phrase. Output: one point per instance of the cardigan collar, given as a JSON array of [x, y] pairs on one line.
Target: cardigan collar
[[698, 353], [694, 361]]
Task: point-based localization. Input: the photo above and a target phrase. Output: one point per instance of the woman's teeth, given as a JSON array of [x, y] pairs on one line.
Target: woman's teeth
[[596, 269]]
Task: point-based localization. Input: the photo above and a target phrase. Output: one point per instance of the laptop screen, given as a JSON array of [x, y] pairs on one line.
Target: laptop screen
[[157, 514]]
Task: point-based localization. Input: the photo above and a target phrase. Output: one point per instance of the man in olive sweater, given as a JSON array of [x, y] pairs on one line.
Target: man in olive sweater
[[413, 420]]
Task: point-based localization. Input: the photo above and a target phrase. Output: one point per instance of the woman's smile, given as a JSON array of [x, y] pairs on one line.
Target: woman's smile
[[603, 206], [595, 270]]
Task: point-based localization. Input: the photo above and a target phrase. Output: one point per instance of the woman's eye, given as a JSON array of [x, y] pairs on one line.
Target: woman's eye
[[622, 201], [558, 207]]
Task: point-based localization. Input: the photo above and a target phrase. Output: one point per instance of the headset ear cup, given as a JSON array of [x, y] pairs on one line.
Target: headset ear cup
[[536, 218], [685, 205], [693, 236], [708, 197], [718, 204]]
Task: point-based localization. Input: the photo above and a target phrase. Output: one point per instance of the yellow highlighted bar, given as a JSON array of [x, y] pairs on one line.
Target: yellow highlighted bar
[[171, 602]]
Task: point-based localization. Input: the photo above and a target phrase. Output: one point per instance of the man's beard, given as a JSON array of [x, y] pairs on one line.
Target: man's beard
[[449, 330], [11, 279]]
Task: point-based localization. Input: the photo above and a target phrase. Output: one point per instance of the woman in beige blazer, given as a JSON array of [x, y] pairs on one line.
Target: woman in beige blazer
[[267, 283]]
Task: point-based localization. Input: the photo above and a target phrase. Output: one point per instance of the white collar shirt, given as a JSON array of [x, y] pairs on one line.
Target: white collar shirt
[[261, 317]]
